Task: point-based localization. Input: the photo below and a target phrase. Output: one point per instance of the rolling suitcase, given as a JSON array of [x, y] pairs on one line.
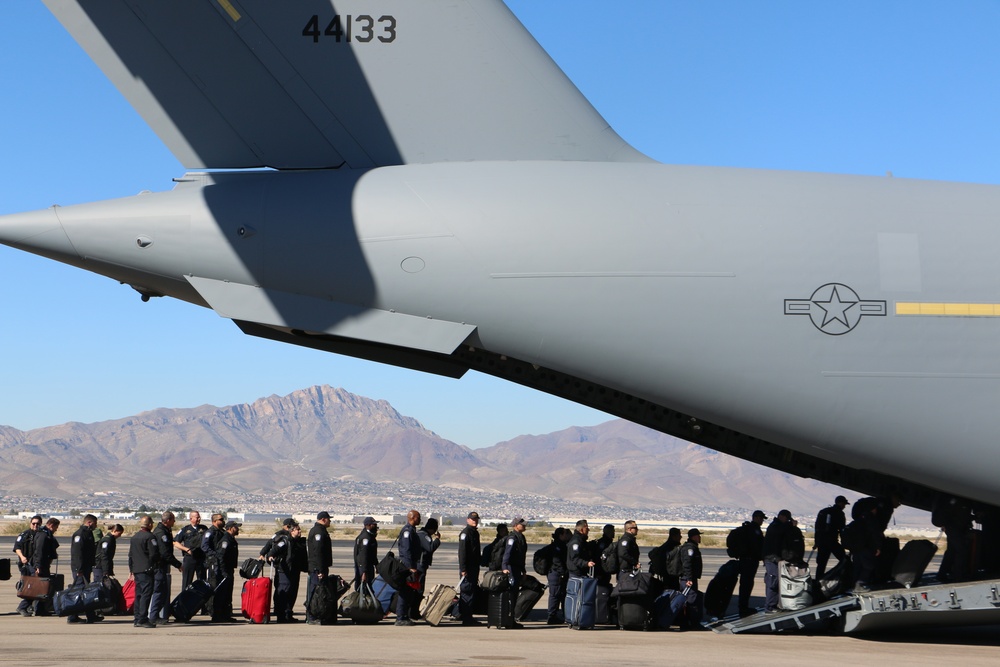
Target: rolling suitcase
[[795, 586], [500, 610], [190, 601], [437, 603], [256, 600], [581, 602], [667, 608], [719, 593], [526, 601], [911, 562], [633, 614], [605, 608]]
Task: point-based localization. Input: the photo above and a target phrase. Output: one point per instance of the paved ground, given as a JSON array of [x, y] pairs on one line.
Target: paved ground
[[50, 641]]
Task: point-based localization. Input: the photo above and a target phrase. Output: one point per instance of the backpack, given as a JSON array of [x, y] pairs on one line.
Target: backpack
[[852, 537], [541, 562], [675, 567], [737, 544], [609, 558], [657, 561], [863, 508], [496, 554]]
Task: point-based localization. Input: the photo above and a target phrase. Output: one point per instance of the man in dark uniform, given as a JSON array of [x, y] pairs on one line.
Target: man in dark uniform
[[280, 552], [749, 554], [43, 552], [866, 547], [691, 570], [143, 562], [83, 557], [558, 574], [579, 559], [775, 541], [495, 546], [468, 567], [628, 550], [159, 606], [320, 549], [597, 548], [226, 560], [23, 547], [830, 524], [106, 548], [211, 559], [189, 541], [366, 553], [515, 558], [410, 549]]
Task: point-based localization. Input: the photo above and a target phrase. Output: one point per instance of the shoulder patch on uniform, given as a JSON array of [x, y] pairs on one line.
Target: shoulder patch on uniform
[[76, 538], [510, 541], [690, 552], [104, 545], [364, 542], [576, 547], [224, 544], [319, 537], [281, 543], [624, 543], [462, 536], [164, 538], [406, 533]]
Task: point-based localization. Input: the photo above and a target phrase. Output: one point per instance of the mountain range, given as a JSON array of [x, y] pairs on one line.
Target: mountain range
[[322, 433]]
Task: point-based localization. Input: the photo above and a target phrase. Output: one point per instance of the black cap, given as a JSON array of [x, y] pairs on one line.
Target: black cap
[[693, 532], [759, 513], [370, 521], [841, 499], [233, 524], [322, 515], [473, 515], [288, 523]]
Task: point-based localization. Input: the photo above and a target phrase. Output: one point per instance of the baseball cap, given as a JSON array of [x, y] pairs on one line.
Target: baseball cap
[[370, 521], [759, 513], [693, 532], [322, 515], [841, 499], [473, 515], [233, 524], [289, 523], [518, 520]]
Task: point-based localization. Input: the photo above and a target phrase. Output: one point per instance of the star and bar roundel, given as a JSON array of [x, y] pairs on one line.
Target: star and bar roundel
[[835, 308]]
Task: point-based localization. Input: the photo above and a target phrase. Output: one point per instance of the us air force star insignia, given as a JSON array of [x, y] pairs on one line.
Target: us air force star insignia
[[835, 308]]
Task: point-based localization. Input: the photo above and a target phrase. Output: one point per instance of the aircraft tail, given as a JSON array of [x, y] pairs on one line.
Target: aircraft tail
[[327, 83]]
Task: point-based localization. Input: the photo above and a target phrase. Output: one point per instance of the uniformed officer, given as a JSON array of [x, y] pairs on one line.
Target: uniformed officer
[[227, 558], [597, 548], [494, 547], [366, 553], [279, 551], [749, 558], [430, 540], [143, 562], [691, 570], [515, 558], [159, 606], [830, 524], [43, 552], [23, 547], [578, 556], [775, 540], [320, 550], [83, 557], [628, 550], [106, 548], [558, 574], [211, 561], [189, 541], [410, 549], [469, 561]]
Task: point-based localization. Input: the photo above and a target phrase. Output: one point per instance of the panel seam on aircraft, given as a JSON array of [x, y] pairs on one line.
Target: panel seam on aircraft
[[615, 274]]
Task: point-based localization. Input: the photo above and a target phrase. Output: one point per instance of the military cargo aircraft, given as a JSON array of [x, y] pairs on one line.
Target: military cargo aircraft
[[454, 203]]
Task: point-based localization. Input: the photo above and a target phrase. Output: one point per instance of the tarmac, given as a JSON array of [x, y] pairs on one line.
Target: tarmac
[[51, 641]]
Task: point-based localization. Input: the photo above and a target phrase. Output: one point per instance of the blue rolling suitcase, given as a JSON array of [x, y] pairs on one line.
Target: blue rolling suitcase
[[581, 602]]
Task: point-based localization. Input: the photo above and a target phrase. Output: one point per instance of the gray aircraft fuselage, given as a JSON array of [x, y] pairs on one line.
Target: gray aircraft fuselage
[[847, 318]]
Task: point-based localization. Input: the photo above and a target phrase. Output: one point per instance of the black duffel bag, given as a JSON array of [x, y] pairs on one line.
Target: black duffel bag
[[80, 599], [495, 581], [361, 606], [251, 568], [637, 585], [393, 571]]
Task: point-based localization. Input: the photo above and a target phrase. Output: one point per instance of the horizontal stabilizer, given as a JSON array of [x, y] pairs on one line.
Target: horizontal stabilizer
[[325, 83], [319, 316]]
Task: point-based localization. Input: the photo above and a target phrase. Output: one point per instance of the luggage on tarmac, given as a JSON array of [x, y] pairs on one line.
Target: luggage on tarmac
[[190, 600], [40, 588], [527, 598], [633, 614], [255, 601], [605, 606], [719, 593], [80, 599], [323, 601], [637, 584], [795, 586], [4, 569], [500, 610], [581, 602], [128, 594], [833, 582], [667, 609], [251, 568], [437, 603], [361, 606], [911, 562], [393, 570], [385, 594], [532, 583]]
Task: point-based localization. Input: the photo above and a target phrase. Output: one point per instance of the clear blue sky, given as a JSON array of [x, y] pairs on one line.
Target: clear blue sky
[[856, 87]]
